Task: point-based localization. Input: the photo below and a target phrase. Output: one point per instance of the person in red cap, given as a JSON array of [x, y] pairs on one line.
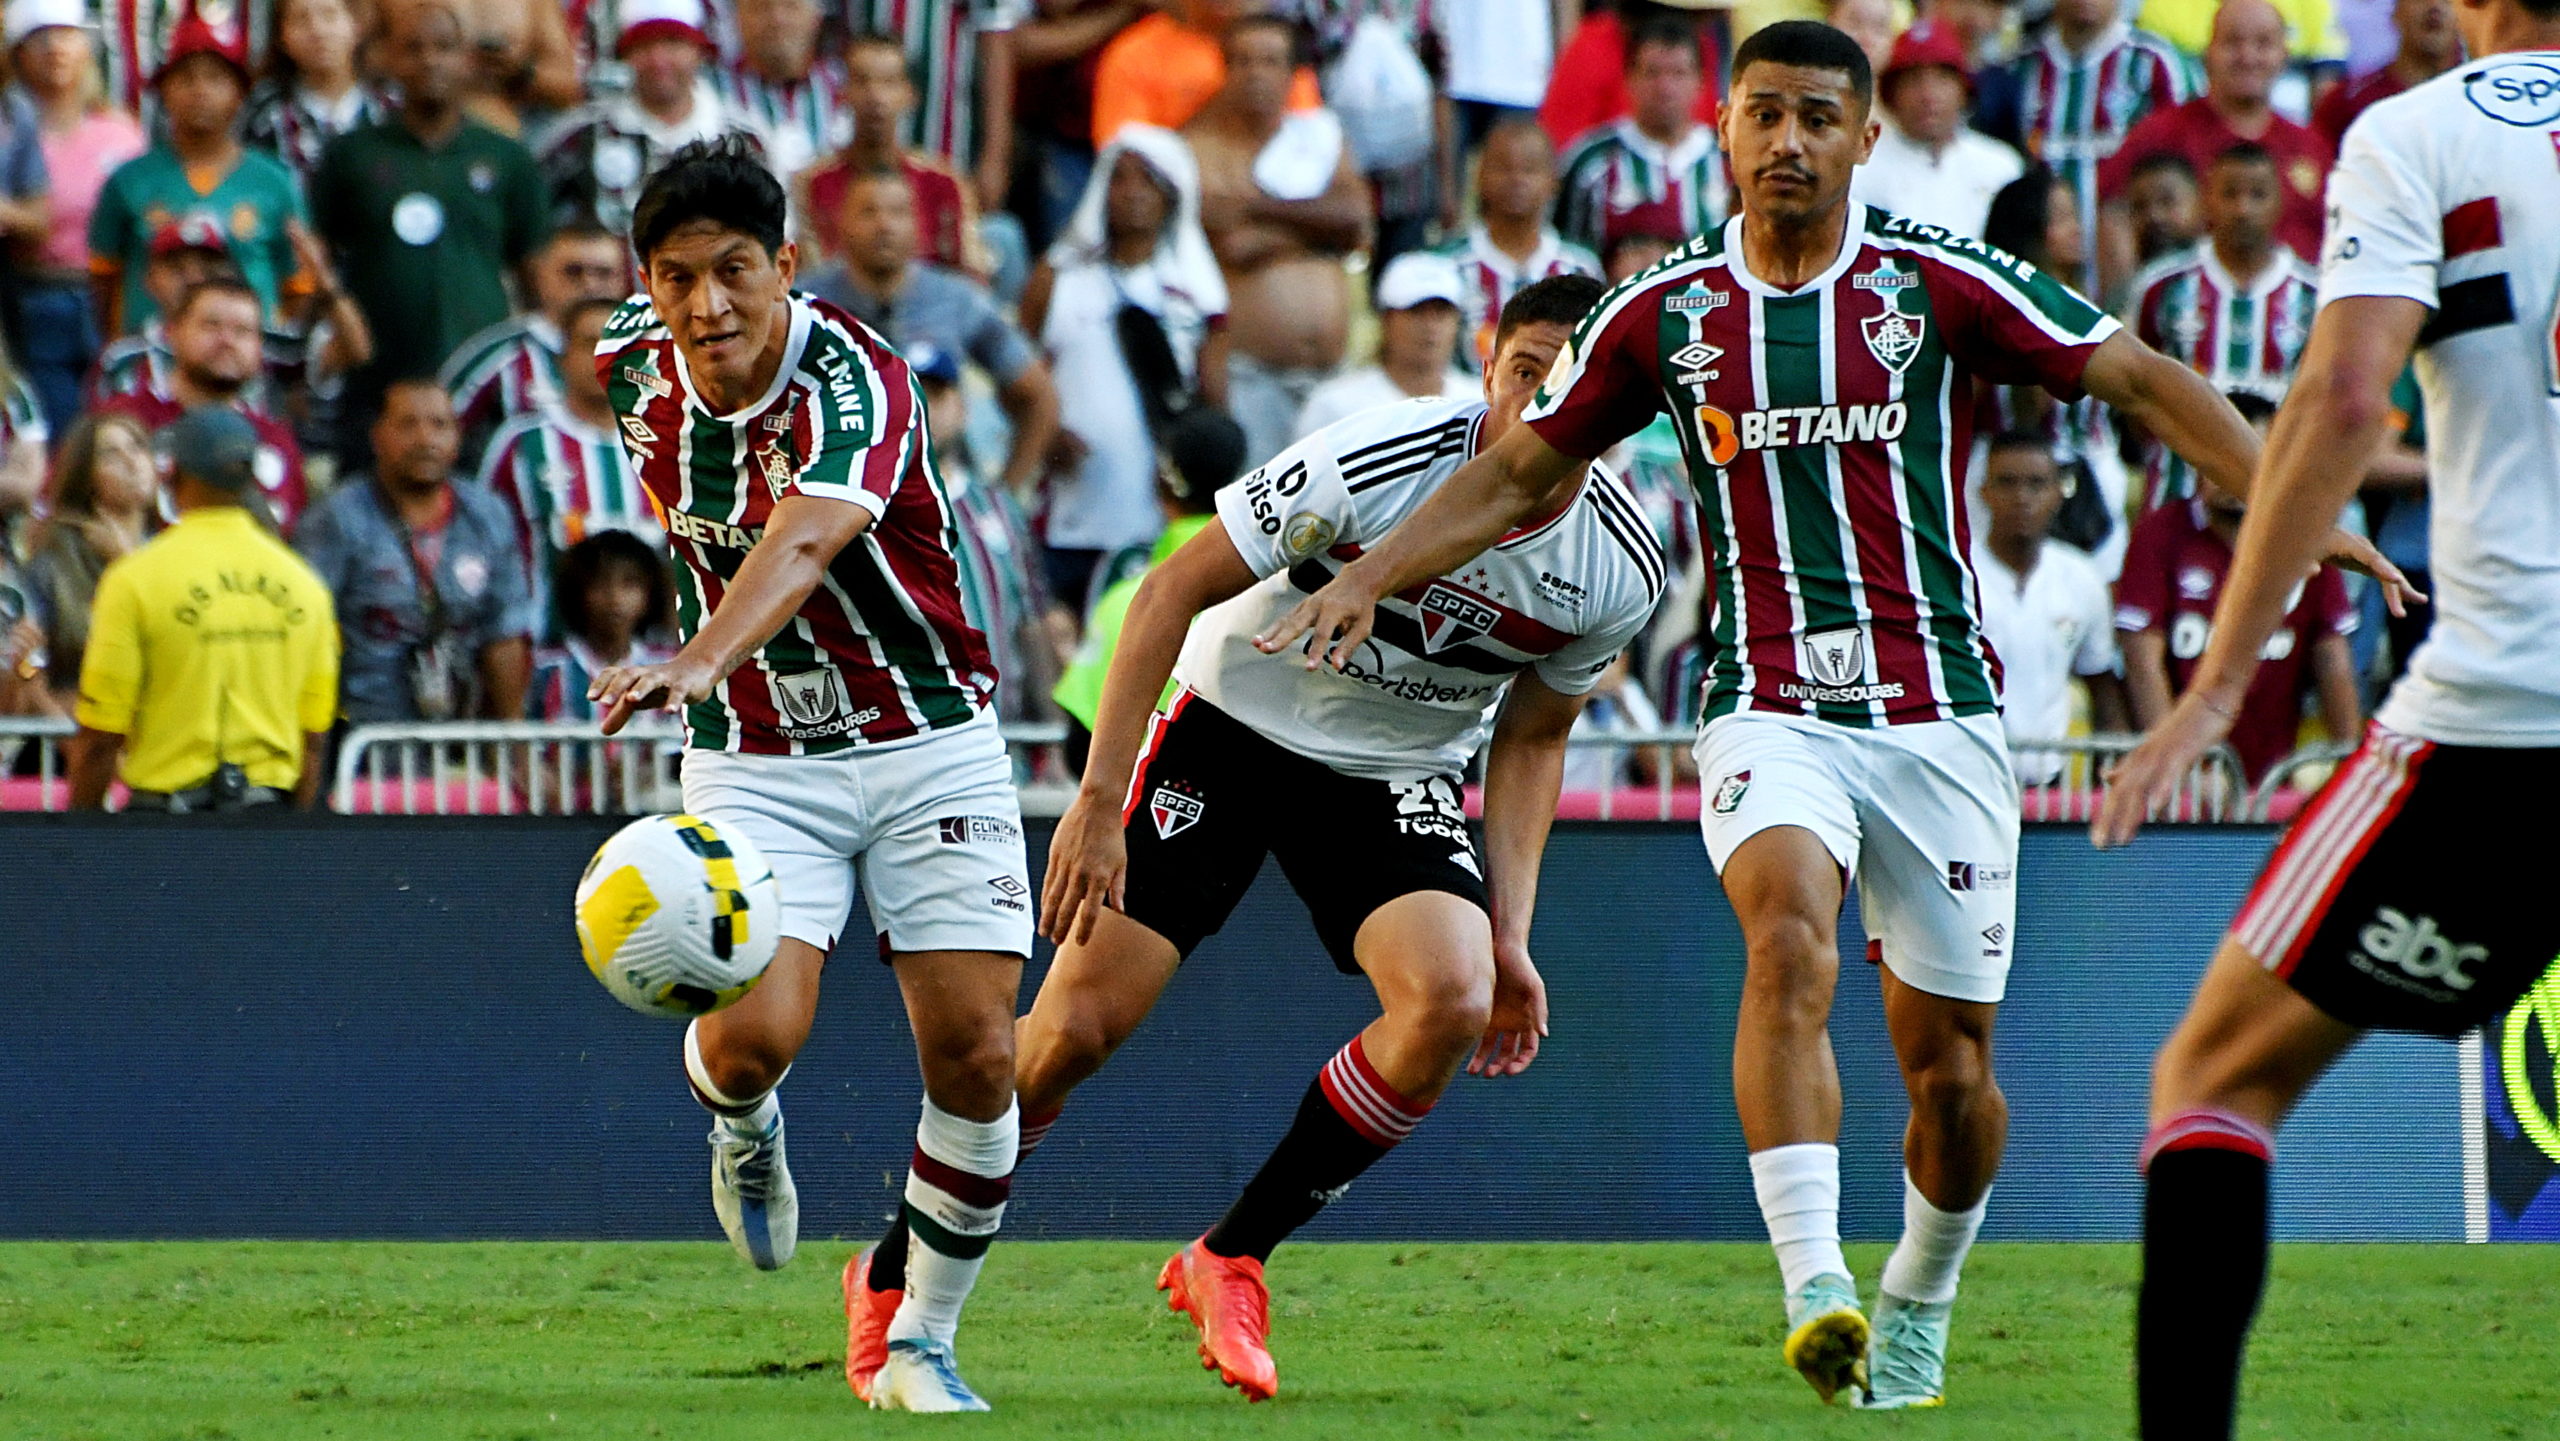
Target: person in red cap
[[596, 157], [1928, 164], [198, 168]]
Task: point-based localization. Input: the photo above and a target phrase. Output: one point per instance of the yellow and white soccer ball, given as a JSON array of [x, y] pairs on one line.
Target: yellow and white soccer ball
[[678, 916]]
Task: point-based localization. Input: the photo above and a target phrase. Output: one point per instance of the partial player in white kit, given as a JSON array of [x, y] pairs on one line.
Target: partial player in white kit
[[1815, 354], [837, 703], [2399, 900], [1351, 781]]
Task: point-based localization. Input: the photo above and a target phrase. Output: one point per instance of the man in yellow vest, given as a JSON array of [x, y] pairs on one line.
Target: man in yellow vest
[[212, 666]]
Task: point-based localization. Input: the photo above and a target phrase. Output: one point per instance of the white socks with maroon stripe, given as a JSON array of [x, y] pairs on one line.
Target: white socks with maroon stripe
[[956, 1190], [1799, 1191]]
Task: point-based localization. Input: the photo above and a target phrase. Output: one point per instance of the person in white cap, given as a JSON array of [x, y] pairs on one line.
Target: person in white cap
[[597, 156], [1418, 318]]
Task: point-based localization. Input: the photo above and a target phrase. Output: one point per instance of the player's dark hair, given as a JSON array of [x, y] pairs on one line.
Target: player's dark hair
[[1203, 451], [723, 181], [2021, 440], [1557, 300], [2253, 407], [2159, 161], [1662, 32], [226, 281], [1809, 45], [2019, 216], [587, 562], [2245, 152]]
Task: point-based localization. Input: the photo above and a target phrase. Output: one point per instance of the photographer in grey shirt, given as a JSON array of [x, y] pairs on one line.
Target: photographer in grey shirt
[[430, 584]]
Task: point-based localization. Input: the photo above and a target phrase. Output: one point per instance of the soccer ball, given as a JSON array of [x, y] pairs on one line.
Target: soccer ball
[[677, 916]]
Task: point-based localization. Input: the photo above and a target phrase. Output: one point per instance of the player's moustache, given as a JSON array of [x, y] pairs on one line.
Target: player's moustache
[[1784, 171]]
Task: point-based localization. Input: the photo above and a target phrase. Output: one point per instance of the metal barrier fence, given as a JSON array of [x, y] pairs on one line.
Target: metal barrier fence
[[565, 768]]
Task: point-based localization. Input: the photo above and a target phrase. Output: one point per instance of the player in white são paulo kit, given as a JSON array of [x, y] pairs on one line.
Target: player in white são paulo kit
[[1350, 781], [838, 705], [2394, 902]]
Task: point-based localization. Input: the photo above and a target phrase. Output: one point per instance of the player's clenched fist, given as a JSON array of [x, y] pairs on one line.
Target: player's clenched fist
[[1088, 870], [1335, 621]]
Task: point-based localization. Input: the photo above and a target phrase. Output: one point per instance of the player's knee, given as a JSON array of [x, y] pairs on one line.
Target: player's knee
[[1450, 1001], [1953, 1081], [1791, 963], [969, 1071], [1058, 1054], [744, 1066]]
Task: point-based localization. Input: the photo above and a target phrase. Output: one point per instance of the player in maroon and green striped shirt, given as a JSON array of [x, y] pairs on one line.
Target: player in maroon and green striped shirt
[[837, 700], [1820, 360]]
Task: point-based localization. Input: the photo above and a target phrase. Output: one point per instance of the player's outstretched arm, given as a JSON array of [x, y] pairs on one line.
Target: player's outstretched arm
[[2332, 422], [1523, 774], [800, 541], [1472, 509], [1088, 856]]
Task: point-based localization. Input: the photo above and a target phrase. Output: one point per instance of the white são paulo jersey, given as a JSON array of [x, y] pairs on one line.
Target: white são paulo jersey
[[1562, 594], [2449, 194]]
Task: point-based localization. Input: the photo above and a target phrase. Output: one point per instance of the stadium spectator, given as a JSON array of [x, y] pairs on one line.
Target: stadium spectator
[[1283, 204], [1509, 244], [2315, 48], [883, 284], [105, 490], [427, 211], [1203, 452], [1618, 706], [524, 61], [2429, 46], [1589, 87], [2174, 571], [430, 587], [211, 676], [144, 36], [2160, 199], [1130, 307], [1660, 155], [1496, 58], [961, 55], [1418, 319], [1165, 69], [215, 359], [560, 466], [1057, 50], [1979, 27], [2241, 66], [184, 253], [781, 81], [2081, 90], [2044, 609], [312, 92], [595, 157], [24, 432], [1002, 584], [1872, 23], [513, 367], [616, 605], [198, 167], [2399, 515], [880, 96], [22, 654], [2235, 308], [1928, 165], [82, 140]]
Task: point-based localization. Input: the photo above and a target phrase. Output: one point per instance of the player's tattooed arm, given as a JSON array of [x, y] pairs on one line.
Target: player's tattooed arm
[[1088, 857], [1523, 774], [800, 541], [1506, 484]]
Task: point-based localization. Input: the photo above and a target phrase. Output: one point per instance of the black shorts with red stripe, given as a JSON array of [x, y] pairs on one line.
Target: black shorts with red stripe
[[2398, 901], [1213, 797]]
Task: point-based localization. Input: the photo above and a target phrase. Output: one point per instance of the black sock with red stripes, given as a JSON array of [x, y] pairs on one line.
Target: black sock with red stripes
[[2204, 1268], [1348, 1119]]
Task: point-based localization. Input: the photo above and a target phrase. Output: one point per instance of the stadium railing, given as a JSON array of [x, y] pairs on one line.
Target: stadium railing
[[545, 768]]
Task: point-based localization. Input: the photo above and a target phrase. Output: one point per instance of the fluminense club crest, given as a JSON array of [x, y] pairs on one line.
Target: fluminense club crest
[[1893, 337]]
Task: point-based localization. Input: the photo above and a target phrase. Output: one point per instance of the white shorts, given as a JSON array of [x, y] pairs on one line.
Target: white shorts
[[1925, 817], [932, 828]]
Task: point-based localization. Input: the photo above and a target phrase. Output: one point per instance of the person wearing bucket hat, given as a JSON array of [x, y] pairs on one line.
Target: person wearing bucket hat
[[210, 679], [596, 158], [1419, 296], [202, 83], [1928, 164]]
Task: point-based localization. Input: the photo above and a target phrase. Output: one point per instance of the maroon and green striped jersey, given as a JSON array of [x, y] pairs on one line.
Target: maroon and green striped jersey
[[1826, 431], [2238, 335], [882, 650]]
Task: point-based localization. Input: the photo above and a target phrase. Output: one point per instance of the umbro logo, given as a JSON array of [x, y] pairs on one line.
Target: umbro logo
[[1697, 355]]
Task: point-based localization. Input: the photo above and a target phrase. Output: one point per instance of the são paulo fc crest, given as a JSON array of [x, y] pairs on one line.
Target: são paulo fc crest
[[1450, 617], [1729, 793], [1174, 812], [1893, 338]]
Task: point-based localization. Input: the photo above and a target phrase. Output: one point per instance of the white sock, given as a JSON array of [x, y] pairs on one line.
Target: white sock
[[756, 1112], [956, 1190], [1931, 1255], [1799, 1190]]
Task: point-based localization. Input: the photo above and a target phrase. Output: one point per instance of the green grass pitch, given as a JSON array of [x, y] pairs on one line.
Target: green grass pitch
[[264, 1342]]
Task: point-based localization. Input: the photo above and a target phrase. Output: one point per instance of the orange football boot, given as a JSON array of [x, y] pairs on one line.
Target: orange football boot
[[1224, 1296], [867, 1314]]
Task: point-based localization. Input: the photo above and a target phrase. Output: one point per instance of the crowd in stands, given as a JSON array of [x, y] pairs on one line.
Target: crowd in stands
[[1132, 249]]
